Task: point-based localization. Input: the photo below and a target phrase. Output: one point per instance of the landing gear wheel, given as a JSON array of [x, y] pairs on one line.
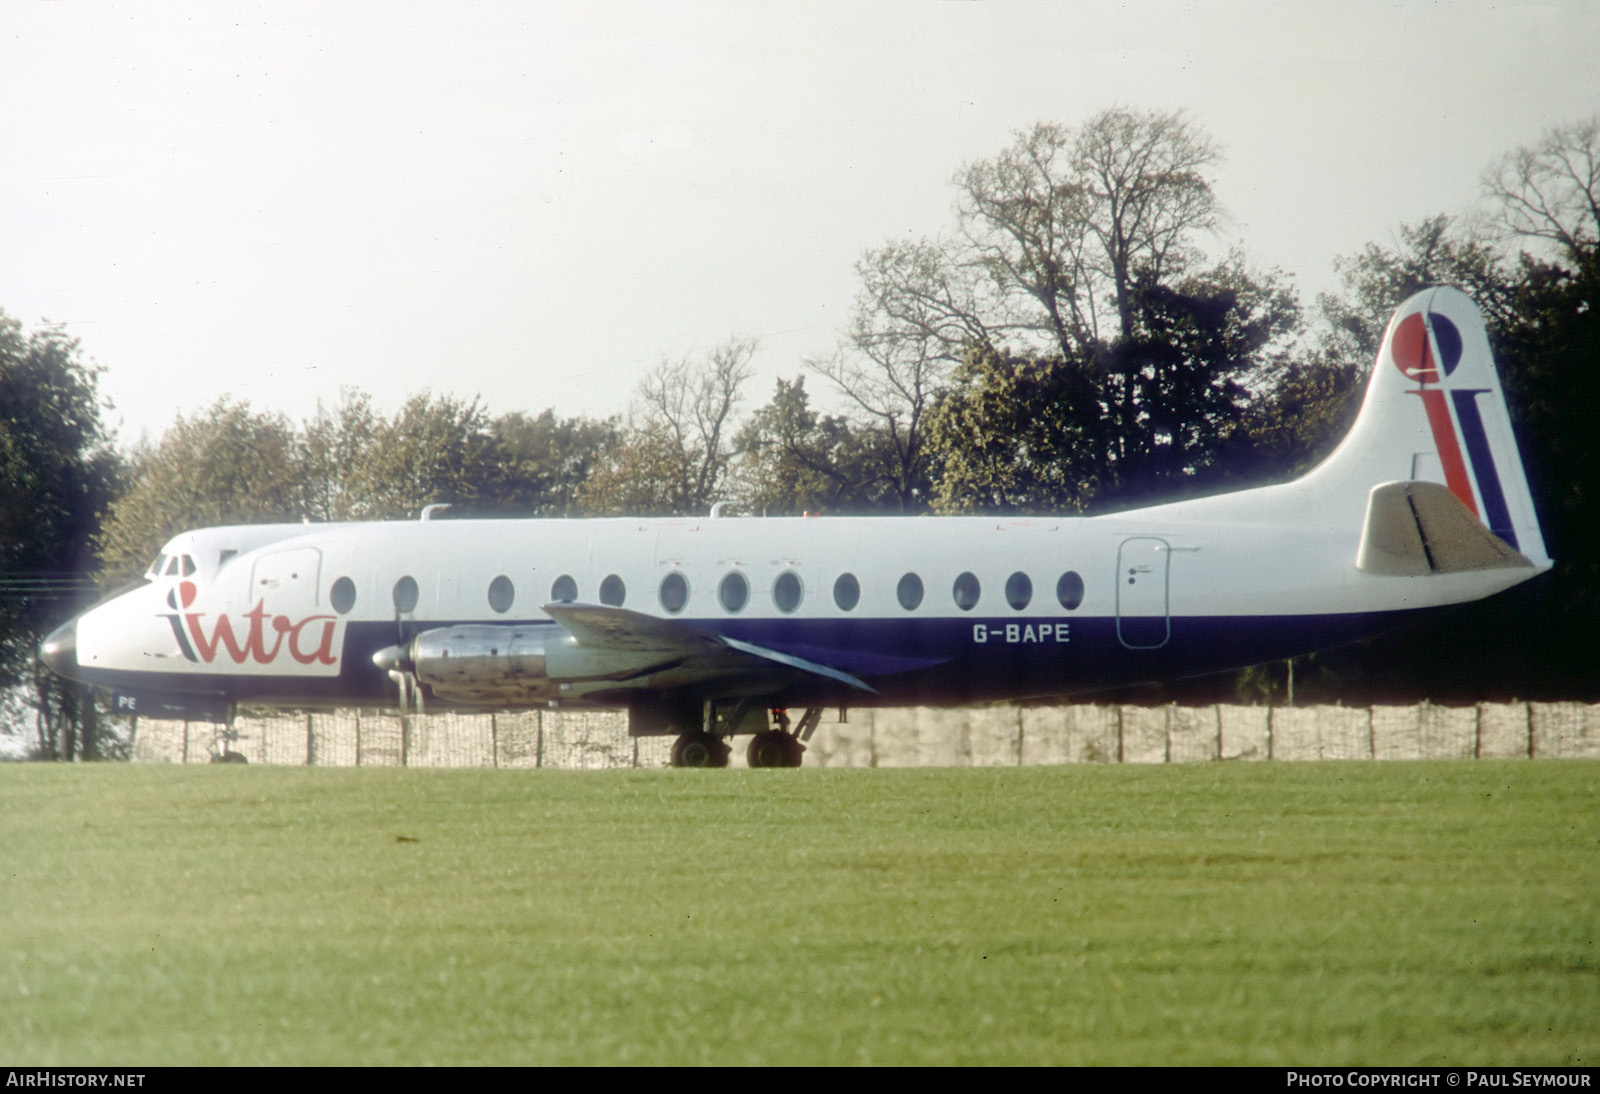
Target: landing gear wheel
[[774, 748], [699, 750]]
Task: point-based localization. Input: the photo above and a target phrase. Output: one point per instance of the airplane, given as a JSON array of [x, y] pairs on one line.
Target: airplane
[[714, 627]]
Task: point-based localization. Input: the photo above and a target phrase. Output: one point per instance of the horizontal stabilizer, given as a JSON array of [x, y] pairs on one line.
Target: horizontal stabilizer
[[1419, 528]]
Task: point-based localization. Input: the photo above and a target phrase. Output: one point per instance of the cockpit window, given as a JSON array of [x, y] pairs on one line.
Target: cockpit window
[[172, 566], [161, 560], [188, 566]]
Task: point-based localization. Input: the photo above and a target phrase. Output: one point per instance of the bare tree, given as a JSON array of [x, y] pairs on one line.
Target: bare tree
[[1551, 191], [1055, 234], [922, 293], [1069, 219], [893, 383], [1025, 220], [675, 449]]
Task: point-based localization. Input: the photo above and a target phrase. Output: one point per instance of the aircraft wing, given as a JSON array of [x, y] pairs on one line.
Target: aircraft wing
[[798, 663], [695, 652], [602, 627]]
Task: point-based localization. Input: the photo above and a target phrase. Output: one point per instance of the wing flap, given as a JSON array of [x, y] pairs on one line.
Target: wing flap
[[700, 654], [799, 664]]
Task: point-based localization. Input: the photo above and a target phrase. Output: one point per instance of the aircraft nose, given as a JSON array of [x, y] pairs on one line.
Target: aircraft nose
[[60, 650]]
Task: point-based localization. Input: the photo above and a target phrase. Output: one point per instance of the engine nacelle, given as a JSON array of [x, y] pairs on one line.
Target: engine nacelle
[[485, 664], [490, 665]]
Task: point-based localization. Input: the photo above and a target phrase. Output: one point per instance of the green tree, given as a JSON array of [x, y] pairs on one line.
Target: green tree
[[1158, 413], [357, 465], [334, 450], [793, 460], [1016, 435], [1076, 259], [1552, 345], [232, 465], [58, 473], [225, 465], [1529, 259], [1299, 420], [545, 460], [1178, 389], [435, 450], [1438, 250]]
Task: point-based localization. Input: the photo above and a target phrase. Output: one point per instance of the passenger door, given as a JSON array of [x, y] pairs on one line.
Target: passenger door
[[1142, 575]]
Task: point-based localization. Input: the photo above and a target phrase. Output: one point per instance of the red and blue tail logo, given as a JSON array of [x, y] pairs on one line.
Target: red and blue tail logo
[[1427, 347]]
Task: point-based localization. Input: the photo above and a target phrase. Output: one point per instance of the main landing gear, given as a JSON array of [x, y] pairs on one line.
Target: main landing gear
[[700, 750], [774, 748], [778, 745]]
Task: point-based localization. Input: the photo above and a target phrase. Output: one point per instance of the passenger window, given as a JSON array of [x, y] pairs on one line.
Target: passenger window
[[502, 593], [343, 595], [1069, 590], [966, 591], [733, 592], [565, 590], [405, 595], [847, 592], [674, 592], [1019, 590], [787, 591], [613, 591], [909, 591]]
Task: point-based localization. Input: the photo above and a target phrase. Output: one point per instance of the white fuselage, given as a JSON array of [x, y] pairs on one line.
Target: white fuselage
[[1425, 503]]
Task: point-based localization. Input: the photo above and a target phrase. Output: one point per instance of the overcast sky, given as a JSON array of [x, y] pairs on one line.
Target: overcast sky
[[534, 202]]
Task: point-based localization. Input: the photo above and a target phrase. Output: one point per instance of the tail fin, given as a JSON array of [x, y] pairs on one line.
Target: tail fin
[[1434, 413]]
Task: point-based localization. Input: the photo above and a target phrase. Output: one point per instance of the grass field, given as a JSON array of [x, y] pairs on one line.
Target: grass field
[[1394, 913]]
